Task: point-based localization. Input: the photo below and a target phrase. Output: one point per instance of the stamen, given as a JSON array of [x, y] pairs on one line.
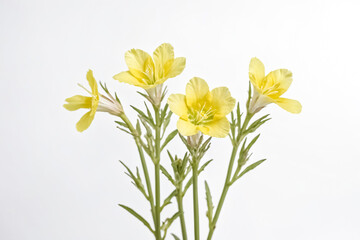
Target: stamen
[[85, 89]]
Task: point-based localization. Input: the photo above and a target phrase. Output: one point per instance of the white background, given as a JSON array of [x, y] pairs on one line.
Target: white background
[[58, 184]]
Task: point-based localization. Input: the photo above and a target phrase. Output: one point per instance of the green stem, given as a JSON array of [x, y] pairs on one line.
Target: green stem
[[157, 174], [195, 199], [179, 199], [228, 176], [143, 163]]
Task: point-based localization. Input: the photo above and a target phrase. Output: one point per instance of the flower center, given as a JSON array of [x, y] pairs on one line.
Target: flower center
[[201, 115]]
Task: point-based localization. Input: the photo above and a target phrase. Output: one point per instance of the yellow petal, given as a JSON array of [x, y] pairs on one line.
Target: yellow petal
[[186, 128], [219, 128], [177, 104], [197, 90], [163, 53], [76, 102], [127, 77], [289, 105], [85, 121], [176, 67], [137, 59], [282, 78], [256, 71], [92, 82], [222, 101]]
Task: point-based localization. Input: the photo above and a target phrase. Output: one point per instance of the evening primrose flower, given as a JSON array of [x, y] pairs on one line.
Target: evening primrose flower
[[96, 103], [149, 72], [202, 110], [269, 88]]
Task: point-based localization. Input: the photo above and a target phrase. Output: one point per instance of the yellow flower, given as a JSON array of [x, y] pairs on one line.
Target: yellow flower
[[147, 72], [96, 103], [269, 88], [202, 110]]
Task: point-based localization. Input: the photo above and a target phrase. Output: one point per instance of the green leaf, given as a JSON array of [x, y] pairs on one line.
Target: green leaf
[[138, 127], [204, 166], [167, 175], [136, 179], [169, 138], [188, 184], [167, 223], [149, 115], [143, 116], [210, 206], [249, 97], [251, 167], [167, 200], [175, 237], [138, 216], [122, 124]]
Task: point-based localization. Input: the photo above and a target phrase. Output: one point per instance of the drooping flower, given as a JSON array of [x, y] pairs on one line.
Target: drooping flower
[[147, 72], [96, 103], [202, 110], [268, 89]]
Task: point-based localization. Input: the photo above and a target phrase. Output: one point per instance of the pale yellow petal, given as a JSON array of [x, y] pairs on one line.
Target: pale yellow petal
[[289, 105], [222, 101], [176, 67], [197, 91], [186, 128], [219, 128], [137, 59], [76, 102], [85, 121], [163, 53], [177, 104], [127, 77], [256, 71], [282, 78], [92, 82]]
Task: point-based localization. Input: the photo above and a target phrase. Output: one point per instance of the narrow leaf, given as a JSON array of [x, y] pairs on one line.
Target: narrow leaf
[[167, 200], [251, 167], [169, 138], [163, 170], [138, 216], [175, 237], [210, 206]]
